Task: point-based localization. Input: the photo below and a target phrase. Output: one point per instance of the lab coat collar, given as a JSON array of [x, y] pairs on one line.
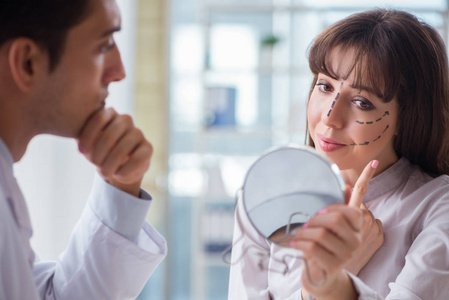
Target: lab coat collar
[[4, 152]]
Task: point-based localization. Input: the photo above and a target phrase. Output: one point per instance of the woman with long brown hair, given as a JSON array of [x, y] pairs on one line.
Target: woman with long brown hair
[[378, 106]]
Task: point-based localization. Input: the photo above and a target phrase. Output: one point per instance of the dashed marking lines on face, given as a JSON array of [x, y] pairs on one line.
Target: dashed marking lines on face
[[376, 139], [387, 113], [335, 100]]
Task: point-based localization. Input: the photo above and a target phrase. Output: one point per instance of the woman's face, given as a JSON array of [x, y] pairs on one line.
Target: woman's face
[[350, 124]]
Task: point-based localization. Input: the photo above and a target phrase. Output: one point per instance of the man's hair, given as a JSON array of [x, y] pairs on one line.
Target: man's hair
[[46, 22], [398, 56]]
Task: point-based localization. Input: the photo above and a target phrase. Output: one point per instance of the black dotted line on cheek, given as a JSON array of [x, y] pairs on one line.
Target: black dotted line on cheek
[[367, 143], [387, 113]]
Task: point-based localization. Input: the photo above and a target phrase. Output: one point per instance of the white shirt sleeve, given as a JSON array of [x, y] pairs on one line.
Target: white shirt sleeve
[[112, 251], [365, 292]]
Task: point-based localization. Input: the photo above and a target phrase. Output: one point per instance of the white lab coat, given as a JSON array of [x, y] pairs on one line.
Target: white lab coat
[[111, 254]]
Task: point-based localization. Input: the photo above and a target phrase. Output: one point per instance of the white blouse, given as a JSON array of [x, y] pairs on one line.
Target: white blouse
[[412, 263]]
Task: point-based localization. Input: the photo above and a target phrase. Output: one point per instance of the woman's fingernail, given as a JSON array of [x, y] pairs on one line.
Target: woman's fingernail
[[374, 164], [323, 211], [292, 244], [293, 232], [305, 225]]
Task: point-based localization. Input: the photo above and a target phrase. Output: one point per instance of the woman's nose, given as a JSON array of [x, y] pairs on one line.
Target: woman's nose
[[333, 115]]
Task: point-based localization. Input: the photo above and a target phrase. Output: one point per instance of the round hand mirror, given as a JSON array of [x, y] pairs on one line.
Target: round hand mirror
[[288, 185]]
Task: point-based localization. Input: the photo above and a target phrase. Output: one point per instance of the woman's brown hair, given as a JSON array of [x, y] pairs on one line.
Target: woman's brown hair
[[398, 56]]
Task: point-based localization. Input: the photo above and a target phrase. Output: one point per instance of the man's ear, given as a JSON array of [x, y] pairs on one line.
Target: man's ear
[[27, 60]]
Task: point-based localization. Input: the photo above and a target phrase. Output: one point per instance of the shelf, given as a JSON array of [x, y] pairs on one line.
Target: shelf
[[232, 7], [216, 260], [235, 131], [262, 70]]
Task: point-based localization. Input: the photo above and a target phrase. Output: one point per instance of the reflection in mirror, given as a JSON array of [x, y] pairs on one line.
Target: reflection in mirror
[[281, 191]]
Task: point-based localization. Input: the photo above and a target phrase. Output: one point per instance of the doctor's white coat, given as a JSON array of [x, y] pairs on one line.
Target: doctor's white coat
[[111, 254]]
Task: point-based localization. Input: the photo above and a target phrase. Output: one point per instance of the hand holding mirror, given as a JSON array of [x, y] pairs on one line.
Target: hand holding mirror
[[285, 187]]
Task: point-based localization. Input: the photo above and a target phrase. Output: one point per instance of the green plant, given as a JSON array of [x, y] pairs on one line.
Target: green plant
[[270, 40]]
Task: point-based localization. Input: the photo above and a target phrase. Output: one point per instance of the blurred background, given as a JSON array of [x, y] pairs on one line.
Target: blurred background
[[213, 84]]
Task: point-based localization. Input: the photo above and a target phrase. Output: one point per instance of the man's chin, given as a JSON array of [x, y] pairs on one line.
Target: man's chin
[[63, 133], [86, 120]]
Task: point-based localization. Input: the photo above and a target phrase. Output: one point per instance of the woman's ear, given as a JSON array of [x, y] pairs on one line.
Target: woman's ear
[[27, 60]]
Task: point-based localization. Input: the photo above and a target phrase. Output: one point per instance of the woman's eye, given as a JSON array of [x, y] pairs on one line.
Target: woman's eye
[[363, 104], [324, 87]]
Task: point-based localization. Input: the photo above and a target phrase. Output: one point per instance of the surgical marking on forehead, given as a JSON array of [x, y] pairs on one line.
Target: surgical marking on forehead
[[376, 139], [387, 113], [335, 100]]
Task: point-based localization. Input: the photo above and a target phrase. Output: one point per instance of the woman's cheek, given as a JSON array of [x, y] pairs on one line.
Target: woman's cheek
[[313, 113], [371, 133]]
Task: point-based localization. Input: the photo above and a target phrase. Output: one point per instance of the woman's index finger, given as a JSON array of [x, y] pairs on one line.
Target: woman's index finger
[[361, 185]]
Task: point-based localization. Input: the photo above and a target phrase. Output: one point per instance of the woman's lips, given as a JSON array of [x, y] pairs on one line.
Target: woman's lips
[[329, 145]]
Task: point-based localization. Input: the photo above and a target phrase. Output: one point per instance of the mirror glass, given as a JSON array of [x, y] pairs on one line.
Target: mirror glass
[[288, 185]]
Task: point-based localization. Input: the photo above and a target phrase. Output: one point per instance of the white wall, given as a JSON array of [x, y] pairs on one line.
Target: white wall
[[54, 177]]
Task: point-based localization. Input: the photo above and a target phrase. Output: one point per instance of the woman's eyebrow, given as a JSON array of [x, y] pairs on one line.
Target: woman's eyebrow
[[366, 89]]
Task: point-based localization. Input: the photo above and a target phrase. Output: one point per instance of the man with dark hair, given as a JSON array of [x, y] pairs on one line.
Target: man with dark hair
[[56, 62]]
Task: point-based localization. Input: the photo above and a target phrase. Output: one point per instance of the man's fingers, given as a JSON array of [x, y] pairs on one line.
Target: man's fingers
[[109, 139], [136, 165], [121, 152], [362, 184], [93, 128]]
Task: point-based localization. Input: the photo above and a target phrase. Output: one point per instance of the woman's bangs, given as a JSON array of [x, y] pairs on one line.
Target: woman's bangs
[[378, 73], [371, 71]]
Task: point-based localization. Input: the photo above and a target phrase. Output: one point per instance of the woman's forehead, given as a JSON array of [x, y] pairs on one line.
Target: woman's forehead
[[342, 62], [345, 63]]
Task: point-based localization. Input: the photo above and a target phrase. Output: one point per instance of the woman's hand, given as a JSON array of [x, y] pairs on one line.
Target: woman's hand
[[372, 236], [329, 240]]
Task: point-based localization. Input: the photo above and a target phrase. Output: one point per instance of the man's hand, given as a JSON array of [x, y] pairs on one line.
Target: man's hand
[[118, 149]]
